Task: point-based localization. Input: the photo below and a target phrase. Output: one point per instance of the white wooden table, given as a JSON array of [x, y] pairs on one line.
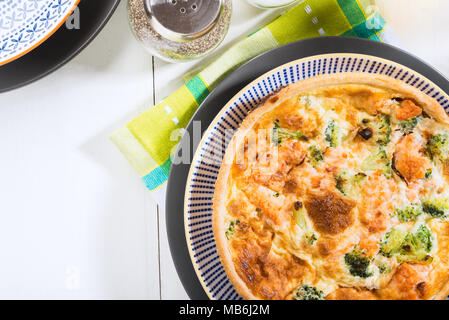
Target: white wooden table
[[75, 221]]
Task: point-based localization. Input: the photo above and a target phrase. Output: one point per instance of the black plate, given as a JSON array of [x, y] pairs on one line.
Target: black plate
[[230, 87], [60, 48]]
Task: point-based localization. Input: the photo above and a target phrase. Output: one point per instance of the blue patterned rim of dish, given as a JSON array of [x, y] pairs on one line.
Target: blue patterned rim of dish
[[206, 162], [24, 24]]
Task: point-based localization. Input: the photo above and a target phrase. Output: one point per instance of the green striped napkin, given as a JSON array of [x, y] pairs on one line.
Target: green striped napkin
[[149, 141]]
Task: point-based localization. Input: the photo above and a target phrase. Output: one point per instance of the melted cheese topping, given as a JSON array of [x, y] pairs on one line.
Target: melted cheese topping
[[323, 174]]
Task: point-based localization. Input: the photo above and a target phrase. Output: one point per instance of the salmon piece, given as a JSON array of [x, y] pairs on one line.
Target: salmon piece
[[273, 208], [351, 294], [371, 246], [407, 283], [377, 204], [292, 121], [271, 171], [292, 152], [409, 161], [406, 110]]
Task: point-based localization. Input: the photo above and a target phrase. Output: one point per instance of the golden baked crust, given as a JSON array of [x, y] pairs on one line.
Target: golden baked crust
[[319, 174]]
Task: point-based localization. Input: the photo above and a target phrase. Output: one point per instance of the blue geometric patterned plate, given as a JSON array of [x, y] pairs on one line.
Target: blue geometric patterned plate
[[206, 162], [25, 24]]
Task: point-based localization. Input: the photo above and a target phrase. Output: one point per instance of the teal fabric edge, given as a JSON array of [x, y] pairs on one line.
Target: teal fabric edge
[[198, 89], [158, 176], [368, 28]]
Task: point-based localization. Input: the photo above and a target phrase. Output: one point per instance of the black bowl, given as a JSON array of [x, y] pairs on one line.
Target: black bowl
[[60, 48]]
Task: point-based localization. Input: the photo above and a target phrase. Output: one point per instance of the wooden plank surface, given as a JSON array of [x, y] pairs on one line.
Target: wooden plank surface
[[76, 221]]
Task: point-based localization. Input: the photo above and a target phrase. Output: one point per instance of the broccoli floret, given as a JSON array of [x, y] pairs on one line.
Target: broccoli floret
[[436, 207], [230, 230], [408, 213], [345, 182], [342, 183], [306, 292], [384, 268], [382, 129], [438, 147], [416, 246], [299, 214], [409, 247], [278, 134], [332, 134], [407, 126], [315, 155], [424, 236], [428, 173], [358, 263], [392, 242], [378, 161]]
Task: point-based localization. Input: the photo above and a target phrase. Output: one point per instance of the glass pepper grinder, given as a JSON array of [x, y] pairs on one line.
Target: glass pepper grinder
[[180, 30]]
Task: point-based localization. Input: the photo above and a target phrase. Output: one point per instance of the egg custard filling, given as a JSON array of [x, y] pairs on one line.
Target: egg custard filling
[[337, 187]]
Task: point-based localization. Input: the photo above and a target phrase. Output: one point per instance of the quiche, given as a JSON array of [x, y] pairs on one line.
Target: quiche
[[337, 187]]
